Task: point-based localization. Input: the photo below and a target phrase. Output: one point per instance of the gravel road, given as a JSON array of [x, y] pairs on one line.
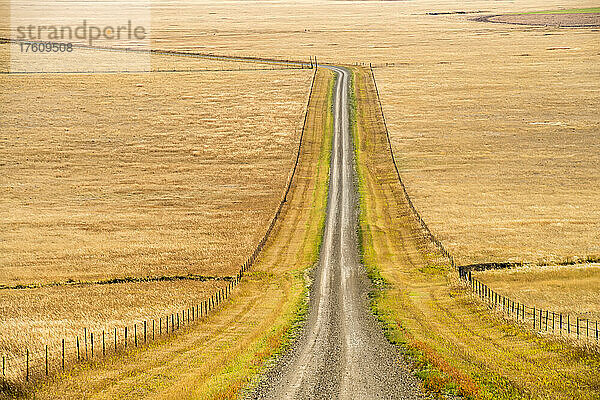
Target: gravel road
[[342, 352]]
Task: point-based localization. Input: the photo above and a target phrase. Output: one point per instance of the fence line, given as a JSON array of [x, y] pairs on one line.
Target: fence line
[[540, 320], [92, 346], [153, 71], [165, 52], [413, 209]]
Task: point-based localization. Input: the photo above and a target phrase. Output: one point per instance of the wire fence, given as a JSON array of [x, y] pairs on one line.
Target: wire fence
[[26, 366], [414, 212], [540, 320], [274, 63]]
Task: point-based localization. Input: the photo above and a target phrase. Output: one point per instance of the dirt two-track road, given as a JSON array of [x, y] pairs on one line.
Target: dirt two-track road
[[342, 353]]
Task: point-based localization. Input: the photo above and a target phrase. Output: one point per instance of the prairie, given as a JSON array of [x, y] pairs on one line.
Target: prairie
[[494, 125], [110, 176], [498, 145]]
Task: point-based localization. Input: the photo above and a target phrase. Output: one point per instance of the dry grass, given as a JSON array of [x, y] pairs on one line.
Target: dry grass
[[571, 289], [494, 124], [454, 341], [225, 351], [495, 131], [32, 319], [142, 174], [131, 175], [476, 98], [563, 19]]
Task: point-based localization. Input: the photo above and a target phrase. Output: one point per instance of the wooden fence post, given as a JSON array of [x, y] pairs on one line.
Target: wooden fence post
[[85, 342], [63, 355], [3, 365], [135, 334], [145, 331], [78, 356], [92, 342], [46, 360], [103, 345], [27, 364], [152, 329], [560, 324], [115, 339], [125, 337]]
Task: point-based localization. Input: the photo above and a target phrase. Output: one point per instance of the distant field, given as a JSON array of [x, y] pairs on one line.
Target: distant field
[[558, 19], [571, 289], [569, 11], [110, 175], [98, 60], [494, 125], [498, 145]]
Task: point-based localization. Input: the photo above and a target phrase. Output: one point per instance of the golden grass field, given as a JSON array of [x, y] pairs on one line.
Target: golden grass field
[[131, 175], [466, 102], [516, 110], [498, 144], [32, 319]]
